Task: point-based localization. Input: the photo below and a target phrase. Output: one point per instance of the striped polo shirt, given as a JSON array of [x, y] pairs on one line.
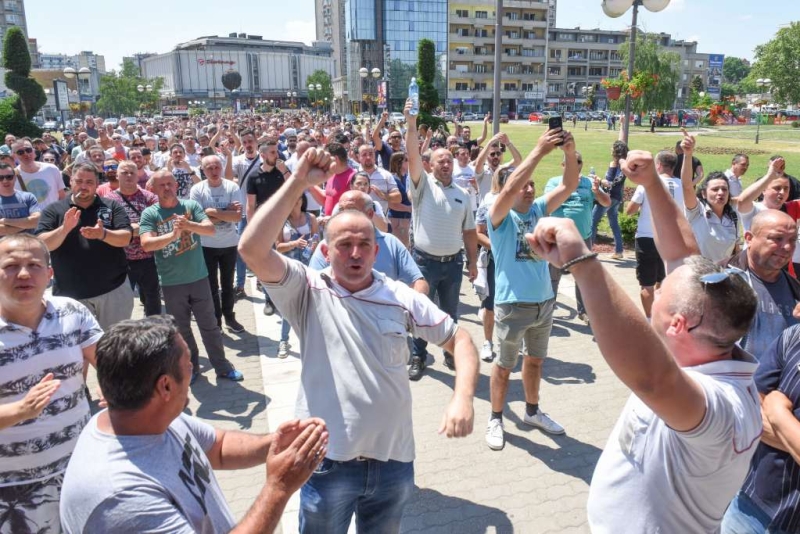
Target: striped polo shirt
[[440, 215], [773, 482], [40, 448]]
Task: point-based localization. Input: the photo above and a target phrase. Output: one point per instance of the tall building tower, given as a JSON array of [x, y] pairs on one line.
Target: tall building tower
[[13, 14], [330, 28], [471, 54]]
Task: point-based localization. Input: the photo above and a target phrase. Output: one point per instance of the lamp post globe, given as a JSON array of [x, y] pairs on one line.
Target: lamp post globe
[[616, 8], [69, 72], [140, 88], [363, 72], [376, 73], [318, 87], [655, 5]]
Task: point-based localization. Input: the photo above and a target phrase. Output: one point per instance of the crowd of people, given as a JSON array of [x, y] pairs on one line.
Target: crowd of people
[[360, 237]]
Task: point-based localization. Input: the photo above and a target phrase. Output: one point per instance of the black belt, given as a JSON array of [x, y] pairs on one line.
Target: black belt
[[440, 259]]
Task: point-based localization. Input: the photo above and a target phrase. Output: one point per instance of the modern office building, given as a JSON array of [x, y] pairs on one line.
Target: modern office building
[[330, 27], [471, 54], [13, 15], [270, 70]]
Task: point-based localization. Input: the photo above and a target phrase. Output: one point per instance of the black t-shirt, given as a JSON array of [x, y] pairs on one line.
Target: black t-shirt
[[695, 163], [386, 155], [264, 184], [86, 268]]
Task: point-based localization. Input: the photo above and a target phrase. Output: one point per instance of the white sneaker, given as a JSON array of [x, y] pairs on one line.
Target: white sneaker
[[543, 421], [283, 349], [487, 351], [495, 437]]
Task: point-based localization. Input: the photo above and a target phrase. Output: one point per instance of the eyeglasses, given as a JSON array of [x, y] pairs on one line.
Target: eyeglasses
[[715, 278], [107, 168], [22, 151], [7, 177]]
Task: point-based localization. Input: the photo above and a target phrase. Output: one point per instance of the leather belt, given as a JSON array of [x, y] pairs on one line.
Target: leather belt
[[440, 259]]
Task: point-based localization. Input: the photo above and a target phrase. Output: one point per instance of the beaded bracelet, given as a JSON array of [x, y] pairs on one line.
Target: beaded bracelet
[[570, 263]]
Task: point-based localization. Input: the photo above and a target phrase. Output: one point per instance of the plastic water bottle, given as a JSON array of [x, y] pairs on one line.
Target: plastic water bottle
[[310, 247], [413, 94], [591, 172]]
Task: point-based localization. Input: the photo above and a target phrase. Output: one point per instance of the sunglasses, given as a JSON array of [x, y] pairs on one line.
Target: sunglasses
[[712, 279], [395, 137], [7, 177], [22, 151], [107, 168]]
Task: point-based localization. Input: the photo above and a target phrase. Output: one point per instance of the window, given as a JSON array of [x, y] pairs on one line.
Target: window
[[587, 38], [512, 35], [481, 86], [481, 33], [512, 69], [510, 51], [12, 18], [699, 64], [480, 69], [509, 86], [685, 62], [615, 72], [481, 15], [565, 37], [481, 51], [554, 71], [529, 16], [462, 13], [596, 71], [555, 54], [461, 51], [462, 86], [527, 87], [512, 15], [462, 32], [554, 87], [575, 71]]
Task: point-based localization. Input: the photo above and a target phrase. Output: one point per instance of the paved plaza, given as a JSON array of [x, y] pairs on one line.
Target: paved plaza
[[537, 484]]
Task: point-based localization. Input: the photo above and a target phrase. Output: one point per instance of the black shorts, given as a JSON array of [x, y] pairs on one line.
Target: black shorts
[[649, 265], [488, 302]]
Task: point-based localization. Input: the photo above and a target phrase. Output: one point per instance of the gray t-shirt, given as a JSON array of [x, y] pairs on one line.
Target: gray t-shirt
[[154, 483], [219, 197], [773, 315]]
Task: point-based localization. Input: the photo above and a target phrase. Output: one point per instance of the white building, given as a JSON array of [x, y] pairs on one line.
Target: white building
[[269, 69]]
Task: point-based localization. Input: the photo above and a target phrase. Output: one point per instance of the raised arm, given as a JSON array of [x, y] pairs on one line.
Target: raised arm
[[689, 198], [256, 243], [520, 176], [486, 120], [673, 234], [640, 359], [377, 141], [572, 175], [415, 168], [744, 202]]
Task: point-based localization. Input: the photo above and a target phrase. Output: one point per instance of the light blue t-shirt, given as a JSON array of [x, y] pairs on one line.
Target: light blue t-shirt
[[393, 259], [578, 206], [18, 206], [520, 275]]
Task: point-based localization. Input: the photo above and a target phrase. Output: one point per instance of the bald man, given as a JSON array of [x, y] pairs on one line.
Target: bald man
[[770, 242], [352, 322]]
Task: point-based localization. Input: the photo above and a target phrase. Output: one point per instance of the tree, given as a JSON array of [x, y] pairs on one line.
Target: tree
[[735, 69], [697, 84], [779, 60], [399, 80], [16, 112], [119, 94], [426, 79], [664, 66], [321, 77]]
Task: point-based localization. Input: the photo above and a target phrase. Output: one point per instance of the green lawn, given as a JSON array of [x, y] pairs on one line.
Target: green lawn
[[716, 147]]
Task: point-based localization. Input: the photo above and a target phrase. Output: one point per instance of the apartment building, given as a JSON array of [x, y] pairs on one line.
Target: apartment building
[[471, 51]]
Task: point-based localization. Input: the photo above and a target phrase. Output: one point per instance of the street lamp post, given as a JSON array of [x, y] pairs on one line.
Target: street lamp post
[[82, 76], [761, 83], [376, 73], [142, 88], [291, 95], [615, 9], [586, 91]]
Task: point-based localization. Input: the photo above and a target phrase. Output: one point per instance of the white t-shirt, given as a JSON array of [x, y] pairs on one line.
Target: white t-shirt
[[219, 197], [44, 183], [484, 179], [645, 225], [46, 442], [462, 177], [653, 479], [384, 181]]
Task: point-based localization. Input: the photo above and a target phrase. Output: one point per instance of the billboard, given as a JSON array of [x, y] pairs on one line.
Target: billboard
[[714, 86]]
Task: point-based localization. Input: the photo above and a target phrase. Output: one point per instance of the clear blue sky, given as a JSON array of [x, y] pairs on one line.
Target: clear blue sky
[[115, 29]]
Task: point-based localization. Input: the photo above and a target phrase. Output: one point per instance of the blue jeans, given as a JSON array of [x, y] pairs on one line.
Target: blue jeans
[[377, 492], [241, 268], [613, 221], [745, 517], [285, 329], [444, 281]]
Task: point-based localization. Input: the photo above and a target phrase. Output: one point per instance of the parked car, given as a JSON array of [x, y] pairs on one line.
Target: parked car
[[112, 121], [582, 116], [349, 117], [536, 116], [469, 116], [50, 125], [396, 116], [503, 118]]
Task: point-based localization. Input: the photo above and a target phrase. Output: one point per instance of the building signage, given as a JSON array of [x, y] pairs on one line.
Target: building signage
[[202, 62], [533, 95], [62, 95], [175, 111], [715, 62]]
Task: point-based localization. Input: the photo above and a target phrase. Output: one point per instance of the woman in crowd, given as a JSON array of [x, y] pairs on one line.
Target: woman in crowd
[[298, 240], [614, 185], [184, 174], [400, 212]]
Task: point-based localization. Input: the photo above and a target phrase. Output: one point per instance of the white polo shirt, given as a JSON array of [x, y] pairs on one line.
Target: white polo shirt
[[440, 215], [715, 236]]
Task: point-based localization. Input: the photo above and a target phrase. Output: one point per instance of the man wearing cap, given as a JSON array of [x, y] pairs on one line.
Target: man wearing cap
[[69, 141]]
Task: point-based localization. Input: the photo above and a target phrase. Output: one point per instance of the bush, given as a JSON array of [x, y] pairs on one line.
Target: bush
[[627, 225], [795, 124], [11, 122]]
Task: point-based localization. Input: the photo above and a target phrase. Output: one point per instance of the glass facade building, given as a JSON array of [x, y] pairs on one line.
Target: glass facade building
[[361, 19], [408, 21]]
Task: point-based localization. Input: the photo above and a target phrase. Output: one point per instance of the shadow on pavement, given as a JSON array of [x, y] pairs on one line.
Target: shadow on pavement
[[559, 372], [431, 511], [228, 401]]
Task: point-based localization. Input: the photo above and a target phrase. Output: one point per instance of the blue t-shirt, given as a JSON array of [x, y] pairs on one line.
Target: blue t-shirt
[[773, 482], [773, 314], [393, 259], [578, 206], [18, 206], [520, 275]]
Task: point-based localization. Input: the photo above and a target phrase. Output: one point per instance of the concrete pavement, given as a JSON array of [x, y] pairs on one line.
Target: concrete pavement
[[536, 484]]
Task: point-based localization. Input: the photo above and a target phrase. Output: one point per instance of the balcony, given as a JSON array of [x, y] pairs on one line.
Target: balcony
[[469, 75], [469, 95], [581, 76]]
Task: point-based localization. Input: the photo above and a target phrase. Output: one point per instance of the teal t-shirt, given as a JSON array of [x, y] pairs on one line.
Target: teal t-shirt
[[180, 262], [520, 275], [578, 206]]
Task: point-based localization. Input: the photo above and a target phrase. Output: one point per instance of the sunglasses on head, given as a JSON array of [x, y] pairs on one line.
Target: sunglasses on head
[[26, 150], [7, 177], [712, 279]]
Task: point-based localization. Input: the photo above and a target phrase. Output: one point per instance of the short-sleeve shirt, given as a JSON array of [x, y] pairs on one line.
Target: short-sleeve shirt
[[440, 216], [393, 259], [265, 184], [20, 205], [241, 165], [149, 483], [134, 205], [86, 268], [644, 227], [44, 183], [773, 482], [383, 180], [40, 448], [335, 187], [716, 237], [185, 180], [462, 176], [520, 275], [354, 353], [679, 481], [180, 262], [774, 313], [219, 197], [578, 205]]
